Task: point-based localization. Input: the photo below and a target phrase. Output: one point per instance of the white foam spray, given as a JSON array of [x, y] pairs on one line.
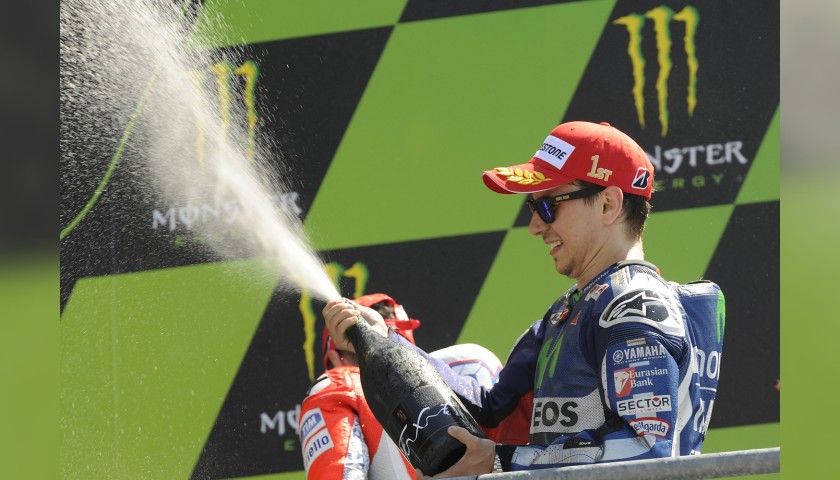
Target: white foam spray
[[131, 67]]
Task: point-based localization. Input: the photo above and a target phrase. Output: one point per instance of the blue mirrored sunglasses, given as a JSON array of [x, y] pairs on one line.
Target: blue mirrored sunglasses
[[545, 206]]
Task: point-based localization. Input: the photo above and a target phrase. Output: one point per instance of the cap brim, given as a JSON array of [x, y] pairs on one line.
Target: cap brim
[[373, 299], [524, 178]]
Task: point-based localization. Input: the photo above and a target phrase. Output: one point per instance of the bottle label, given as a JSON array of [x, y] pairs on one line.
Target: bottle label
[[423, 434], [418, 430]]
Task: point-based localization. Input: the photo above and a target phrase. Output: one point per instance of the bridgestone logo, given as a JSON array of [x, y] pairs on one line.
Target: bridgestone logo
[[555, 152], [642, 179]]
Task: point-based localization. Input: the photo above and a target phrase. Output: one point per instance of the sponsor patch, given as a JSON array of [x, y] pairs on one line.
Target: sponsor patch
[[627, 379], [558, 317], [567, 414], [555, 152], [639, 354], [623, 380], [649, 373], [319, 443], [596, 292], [620, 278], [644, 403], [312, 421], [651, 426], [642, 178]]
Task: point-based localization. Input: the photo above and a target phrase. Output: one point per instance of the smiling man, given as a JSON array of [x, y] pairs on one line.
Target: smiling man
[[624, 365]]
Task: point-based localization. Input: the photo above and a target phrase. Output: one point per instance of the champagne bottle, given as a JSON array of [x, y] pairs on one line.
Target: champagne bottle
[[411, 401]]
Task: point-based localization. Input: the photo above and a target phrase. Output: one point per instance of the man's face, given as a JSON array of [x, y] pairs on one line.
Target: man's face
[[573, 237]]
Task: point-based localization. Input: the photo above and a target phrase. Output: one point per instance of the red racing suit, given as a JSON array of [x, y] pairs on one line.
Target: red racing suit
[[340, 437]]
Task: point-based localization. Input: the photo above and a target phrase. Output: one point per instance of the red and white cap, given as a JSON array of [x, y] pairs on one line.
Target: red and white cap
[[401, 323], [592, 152]]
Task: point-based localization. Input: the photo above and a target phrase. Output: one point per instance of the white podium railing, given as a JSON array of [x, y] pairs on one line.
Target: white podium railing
[[693, 467]]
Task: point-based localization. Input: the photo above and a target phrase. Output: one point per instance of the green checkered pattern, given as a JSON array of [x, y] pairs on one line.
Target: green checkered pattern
[[448, 98]]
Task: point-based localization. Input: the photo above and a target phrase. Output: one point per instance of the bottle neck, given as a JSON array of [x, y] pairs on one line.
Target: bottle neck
[[359, 334]]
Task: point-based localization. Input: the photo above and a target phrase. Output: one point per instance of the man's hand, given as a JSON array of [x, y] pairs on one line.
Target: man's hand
[[342, 314], [477, 460]]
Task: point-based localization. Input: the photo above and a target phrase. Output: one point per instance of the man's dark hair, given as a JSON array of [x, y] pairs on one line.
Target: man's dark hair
[[384, 308], [636, 209]]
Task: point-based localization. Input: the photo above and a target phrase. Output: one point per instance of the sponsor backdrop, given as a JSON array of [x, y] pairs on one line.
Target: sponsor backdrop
[[177, 366]]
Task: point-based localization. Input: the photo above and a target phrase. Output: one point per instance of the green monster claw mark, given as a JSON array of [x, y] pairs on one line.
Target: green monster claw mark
[[197, 78], [359, 272], [691, 17], [547, 358], [634, 24], [250, 70], [661, 17], [307, 311], [223, 71]]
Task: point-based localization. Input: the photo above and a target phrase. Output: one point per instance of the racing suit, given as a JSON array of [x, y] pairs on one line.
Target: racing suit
[[471, 360], [624, 369], [341, 438]]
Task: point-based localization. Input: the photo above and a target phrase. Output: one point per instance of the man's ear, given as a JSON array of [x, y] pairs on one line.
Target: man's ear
[[334, 359], [611, 204]]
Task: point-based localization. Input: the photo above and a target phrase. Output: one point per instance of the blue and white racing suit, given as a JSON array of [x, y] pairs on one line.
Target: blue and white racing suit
[[624, 369]]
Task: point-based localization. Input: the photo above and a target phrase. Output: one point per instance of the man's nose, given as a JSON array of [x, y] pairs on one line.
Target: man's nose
[[537, 226]]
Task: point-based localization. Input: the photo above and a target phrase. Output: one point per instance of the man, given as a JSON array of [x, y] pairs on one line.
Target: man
[[624, 365], [340, 437]]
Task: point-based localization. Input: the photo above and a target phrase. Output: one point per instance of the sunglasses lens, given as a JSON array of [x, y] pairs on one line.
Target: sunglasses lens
[[545, 211]]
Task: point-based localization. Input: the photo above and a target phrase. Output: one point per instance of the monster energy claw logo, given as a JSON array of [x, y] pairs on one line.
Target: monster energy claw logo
[[335, 271], [223, 73], [661, 17]]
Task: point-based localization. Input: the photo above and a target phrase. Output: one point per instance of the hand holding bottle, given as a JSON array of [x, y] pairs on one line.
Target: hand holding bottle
[[406, 394], [341, 314], [478, 459]]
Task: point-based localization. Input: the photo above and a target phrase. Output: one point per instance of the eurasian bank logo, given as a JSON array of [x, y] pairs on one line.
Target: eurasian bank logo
[[662, 18]]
